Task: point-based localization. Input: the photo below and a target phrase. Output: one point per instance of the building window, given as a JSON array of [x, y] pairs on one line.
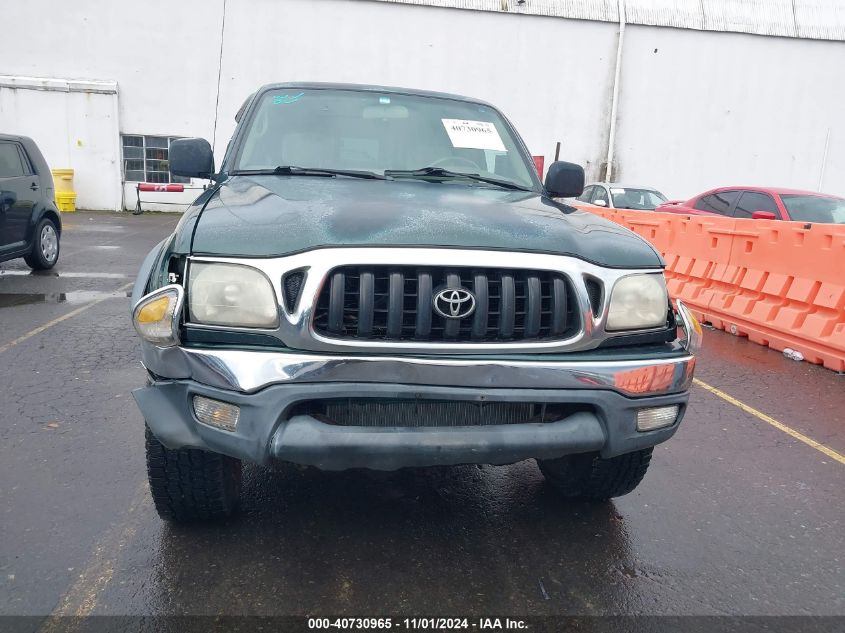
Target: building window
[[145, 159]]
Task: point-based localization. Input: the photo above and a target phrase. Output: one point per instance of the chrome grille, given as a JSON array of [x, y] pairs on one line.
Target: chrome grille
[[394, 303]]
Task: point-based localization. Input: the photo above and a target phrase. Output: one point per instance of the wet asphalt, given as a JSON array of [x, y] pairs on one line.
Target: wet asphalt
[[734, 517]]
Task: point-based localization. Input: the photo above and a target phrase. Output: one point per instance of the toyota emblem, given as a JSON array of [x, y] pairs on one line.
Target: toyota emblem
[[454, 303]]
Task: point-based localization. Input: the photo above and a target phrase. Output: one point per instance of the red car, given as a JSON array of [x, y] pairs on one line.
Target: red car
[[762, 203]]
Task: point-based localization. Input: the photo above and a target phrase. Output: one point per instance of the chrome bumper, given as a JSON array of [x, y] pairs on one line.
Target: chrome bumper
[[251, 371]]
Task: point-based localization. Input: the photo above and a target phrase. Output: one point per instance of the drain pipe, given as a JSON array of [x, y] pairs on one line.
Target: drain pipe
[[824, 160], [614, 104]]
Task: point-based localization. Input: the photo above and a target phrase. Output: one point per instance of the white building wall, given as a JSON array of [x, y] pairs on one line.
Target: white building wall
[[75, 125], [163, 56], [709, 108], [717, 109], [551, 77]]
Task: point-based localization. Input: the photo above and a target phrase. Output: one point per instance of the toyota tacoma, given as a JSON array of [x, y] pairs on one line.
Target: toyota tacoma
[[378, 278]]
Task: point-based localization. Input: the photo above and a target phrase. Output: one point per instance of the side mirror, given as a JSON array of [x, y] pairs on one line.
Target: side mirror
[[191, 157], [599, 203], [763, 215], [565, 180]]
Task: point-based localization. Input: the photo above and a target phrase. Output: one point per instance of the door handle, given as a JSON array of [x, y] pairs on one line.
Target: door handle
[[34, 187]]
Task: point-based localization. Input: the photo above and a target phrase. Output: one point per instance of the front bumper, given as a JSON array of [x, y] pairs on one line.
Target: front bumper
[[268, 385]]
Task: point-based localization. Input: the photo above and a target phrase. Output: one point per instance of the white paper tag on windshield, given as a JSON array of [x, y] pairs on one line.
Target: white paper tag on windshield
[[473, 134], [617, 191]]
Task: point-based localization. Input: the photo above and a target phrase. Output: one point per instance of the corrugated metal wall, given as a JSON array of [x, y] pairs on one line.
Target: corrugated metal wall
[[811, 19]]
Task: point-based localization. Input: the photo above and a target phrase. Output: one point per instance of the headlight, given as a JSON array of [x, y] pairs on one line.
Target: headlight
[[156, 316], [230, 294], [638, 302]]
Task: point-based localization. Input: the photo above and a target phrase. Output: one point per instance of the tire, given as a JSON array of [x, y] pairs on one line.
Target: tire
[[589, 477], [45, 246], [189, 484]]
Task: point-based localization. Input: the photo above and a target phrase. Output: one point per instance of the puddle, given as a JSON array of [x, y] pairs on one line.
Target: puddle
[[8, 300], [65, 275]]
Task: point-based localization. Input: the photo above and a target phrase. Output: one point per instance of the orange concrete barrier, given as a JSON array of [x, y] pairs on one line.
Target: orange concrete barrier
[[781, 284]]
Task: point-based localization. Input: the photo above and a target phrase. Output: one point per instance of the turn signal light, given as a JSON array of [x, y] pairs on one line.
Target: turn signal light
[[154, 311], [656, 417], [156, 316]]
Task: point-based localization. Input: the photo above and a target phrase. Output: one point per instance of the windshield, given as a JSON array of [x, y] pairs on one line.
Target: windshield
[[375, 132], [807, 208], [631, 198]]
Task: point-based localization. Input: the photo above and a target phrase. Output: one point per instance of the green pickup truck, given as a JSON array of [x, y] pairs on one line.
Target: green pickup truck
[[377, 278]]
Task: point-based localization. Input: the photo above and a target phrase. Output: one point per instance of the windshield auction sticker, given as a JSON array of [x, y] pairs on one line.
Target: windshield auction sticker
[[473, 134]]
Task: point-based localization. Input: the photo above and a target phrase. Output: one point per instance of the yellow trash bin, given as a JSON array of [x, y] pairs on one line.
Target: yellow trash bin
[[63, 180], [66, 201], [63, 184]]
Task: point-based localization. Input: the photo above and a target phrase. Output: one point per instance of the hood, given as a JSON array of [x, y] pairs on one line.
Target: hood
[[270, 216]]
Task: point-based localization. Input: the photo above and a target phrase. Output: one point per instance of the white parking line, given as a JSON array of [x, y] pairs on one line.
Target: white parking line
[[58, 320], [65, 275]]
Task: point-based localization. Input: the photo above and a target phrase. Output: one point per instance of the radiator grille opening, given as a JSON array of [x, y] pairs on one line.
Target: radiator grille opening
[[594, 291], [395, 413], [394, 303], [292, 284]]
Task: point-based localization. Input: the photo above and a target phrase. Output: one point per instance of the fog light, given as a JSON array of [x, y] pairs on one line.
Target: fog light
[[656, 418], [215, 413]]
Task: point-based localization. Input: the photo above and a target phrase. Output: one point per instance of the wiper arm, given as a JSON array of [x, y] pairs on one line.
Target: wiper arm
[[293, 170], [439, 172]]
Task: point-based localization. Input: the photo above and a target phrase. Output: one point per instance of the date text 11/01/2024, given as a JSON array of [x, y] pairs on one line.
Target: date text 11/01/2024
[[436, 624]]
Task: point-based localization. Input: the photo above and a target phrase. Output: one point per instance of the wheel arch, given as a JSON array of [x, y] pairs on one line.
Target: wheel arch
[[52, 214], [45, 211]]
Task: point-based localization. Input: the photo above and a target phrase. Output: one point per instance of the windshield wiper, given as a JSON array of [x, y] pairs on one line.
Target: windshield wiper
[[439, 172], [293, 170]]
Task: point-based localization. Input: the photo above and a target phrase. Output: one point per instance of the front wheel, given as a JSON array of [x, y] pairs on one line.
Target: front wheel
[[45, 246], [588, 476], [188, 484]]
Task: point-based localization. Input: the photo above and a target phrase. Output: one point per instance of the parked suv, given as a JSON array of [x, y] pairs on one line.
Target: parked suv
[[30, 223], [379, 279]]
